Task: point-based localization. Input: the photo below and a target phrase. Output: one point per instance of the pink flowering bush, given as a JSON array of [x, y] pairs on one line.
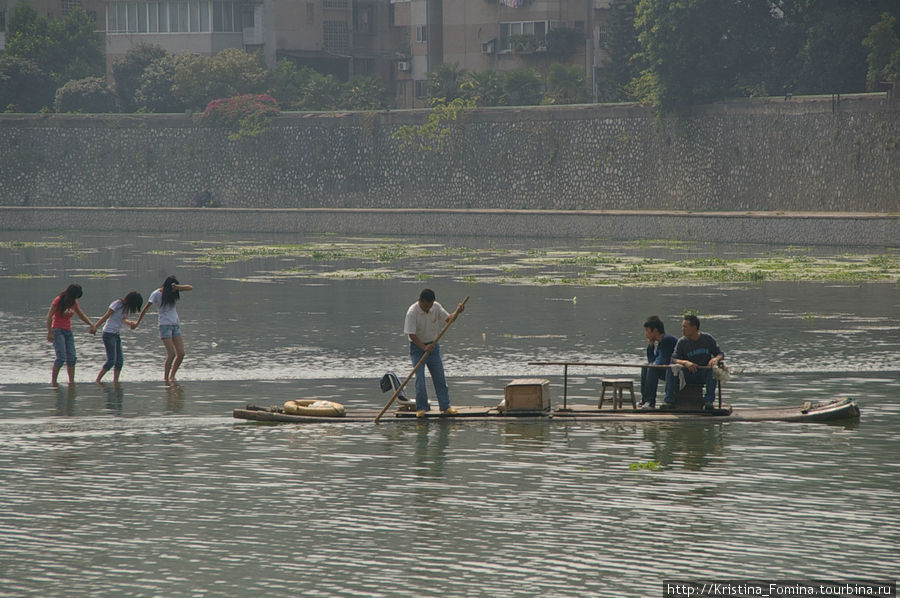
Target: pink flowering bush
[[247, 115]]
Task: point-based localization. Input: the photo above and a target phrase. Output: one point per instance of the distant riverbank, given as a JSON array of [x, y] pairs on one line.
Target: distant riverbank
[[797, 228]]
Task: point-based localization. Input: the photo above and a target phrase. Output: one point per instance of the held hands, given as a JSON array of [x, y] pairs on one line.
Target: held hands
[[49, 336]]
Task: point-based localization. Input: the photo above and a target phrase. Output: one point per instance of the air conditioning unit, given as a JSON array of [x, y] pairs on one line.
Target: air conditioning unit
[[403, 66], [489, 47]]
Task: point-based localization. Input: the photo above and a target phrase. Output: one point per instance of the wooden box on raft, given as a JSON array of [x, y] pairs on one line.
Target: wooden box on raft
[[527, 394]]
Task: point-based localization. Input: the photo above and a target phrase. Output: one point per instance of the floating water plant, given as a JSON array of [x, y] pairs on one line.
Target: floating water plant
[[650, 465]]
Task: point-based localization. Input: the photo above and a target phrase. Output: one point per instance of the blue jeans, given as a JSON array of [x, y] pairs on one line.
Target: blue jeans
[[650, 378], [169, 330], [436, 369], [702, 377], [64, 345], [113, 344]]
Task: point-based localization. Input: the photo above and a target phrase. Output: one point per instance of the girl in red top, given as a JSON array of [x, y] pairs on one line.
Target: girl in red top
[[59, 329]]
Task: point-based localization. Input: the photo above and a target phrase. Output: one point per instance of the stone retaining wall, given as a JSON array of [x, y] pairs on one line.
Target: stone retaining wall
[[803, 155]]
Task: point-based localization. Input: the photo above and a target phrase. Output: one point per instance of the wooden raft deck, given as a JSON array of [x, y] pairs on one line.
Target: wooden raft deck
[[840, 409]]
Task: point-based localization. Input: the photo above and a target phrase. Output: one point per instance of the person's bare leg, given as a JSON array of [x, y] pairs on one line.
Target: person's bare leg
[[179, 356], [169, 344], [70, 369], [54, 374]]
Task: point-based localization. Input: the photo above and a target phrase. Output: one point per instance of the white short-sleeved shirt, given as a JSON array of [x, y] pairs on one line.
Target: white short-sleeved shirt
[[167, 313], [114, 323], [425, 325]]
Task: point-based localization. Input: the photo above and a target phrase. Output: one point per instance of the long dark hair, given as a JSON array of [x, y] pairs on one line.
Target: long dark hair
[[169, 294], [67, 298], [132, 302]]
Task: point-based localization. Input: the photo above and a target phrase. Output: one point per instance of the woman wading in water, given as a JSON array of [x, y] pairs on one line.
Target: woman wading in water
[[59, 329], [112, 342], [169, 326]]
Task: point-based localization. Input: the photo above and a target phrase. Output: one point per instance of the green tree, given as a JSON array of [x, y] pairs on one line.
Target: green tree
[[565, 85], [699, 50], [28, 35], [85, 95], [364, 93], [80, 47], [322, 92], [522, 87], [65, 49], [155, 93], [444, 82], [621, 45], [485, 88], [23, 86], [287, 81], [229, 73], [884, 52], [127, 72]]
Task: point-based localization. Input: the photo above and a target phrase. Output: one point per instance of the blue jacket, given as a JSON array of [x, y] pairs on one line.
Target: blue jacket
[[661, 354]]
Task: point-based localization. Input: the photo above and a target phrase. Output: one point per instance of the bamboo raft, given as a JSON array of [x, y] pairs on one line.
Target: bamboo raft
[[529, 400], [837, 410]]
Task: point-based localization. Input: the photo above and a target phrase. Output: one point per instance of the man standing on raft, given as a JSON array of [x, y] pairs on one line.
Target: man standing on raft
[[424, 320]]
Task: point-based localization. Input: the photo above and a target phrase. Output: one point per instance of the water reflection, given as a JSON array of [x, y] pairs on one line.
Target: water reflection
[[431, 448], [114, 394], [65, 399], [694, 444], [174, 398]]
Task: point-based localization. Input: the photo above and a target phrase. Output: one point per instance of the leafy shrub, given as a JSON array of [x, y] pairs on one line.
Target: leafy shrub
[[247, 115], [23, 86], [127, 72], [91, 94]]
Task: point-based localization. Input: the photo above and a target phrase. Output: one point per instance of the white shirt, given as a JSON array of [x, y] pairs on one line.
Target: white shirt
[[167, 313], [425, 325], [114, 323]]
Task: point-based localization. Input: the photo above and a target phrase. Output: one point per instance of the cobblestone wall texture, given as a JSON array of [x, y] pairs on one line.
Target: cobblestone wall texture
[[812, 154]]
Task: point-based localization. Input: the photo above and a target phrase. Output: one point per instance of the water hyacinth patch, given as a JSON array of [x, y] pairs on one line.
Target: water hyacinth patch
[[247, 115]]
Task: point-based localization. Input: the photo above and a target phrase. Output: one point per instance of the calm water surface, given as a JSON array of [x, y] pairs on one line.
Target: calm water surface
[[148, 490]]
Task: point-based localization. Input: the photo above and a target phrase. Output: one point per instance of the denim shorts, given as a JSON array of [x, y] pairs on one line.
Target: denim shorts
[[169, 330]]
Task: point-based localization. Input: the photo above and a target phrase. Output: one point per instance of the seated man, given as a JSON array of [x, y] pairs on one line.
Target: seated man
[[659, 352], [694, 349]]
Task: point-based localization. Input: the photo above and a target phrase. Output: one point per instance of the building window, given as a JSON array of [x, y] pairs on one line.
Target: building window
[[335, 4], [337, 36], [174, 16], [310, 12], [421, 88], [536, 30], [421, 34]]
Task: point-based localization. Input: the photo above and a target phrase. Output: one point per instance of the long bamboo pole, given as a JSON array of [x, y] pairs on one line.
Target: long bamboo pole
[[610, 365], [422, 360]]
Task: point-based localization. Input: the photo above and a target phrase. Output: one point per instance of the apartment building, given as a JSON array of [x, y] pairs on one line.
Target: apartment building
[[498, 35], [401, 41]]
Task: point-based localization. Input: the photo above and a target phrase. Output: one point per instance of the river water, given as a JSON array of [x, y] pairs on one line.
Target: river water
[[144, 489]]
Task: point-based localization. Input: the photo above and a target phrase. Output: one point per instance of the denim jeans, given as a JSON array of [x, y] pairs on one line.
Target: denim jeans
[[704, 377], [113, 344], [64, 345], [436, 369], [650, 378]]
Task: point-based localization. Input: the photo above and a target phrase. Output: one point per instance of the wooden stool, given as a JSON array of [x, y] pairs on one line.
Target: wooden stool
[[617, 385]]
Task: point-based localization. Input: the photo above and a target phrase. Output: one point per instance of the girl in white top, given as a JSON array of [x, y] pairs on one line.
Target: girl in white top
[[112, 342], [169, 326]]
